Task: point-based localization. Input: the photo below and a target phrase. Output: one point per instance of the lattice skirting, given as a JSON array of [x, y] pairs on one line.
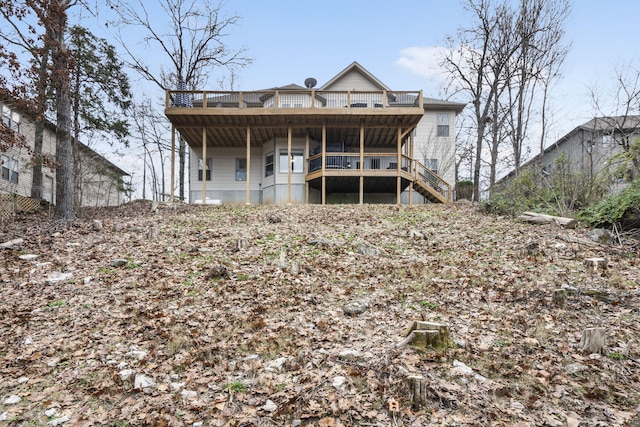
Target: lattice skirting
[[12, 203]]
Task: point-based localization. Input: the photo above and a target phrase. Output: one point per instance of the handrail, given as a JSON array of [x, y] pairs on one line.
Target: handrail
[[297, 99], [427, 177]]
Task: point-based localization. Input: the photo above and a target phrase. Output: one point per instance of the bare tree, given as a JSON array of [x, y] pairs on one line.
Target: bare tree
[[500, 62], [621, 112], [540, 53], [475, 62], [151, 128], [193, 40]]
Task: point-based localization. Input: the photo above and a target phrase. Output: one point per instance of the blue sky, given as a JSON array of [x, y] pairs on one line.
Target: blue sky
[[291, 40]]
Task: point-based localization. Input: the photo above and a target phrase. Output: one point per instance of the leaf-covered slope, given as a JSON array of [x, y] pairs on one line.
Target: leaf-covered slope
[[245, 315]]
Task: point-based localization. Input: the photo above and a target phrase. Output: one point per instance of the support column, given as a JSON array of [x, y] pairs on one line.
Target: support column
[[289, 164], [398, 179], [204, 166], [248, 201], [324, 162], [305, 164], [361, 163], [411, 193], [399, 165], [173, 160]]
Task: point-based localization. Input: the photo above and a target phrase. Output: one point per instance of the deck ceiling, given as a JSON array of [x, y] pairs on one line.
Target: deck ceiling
[[228, 127]]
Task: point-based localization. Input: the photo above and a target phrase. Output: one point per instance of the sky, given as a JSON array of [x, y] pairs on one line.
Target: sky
[[290, 40], [398, 41]]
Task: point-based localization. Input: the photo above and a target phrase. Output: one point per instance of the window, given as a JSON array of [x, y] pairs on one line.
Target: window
[[268, 165], [443, 125], [10, 118], [10, 169], [607, 140], [296, 161], [209, 164], [432, 165], [241, 169]]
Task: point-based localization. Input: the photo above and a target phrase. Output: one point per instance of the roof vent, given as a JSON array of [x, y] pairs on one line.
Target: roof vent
[[310, 82]]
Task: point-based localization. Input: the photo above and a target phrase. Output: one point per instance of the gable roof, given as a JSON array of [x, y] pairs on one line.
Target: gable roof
[[599, 124], [354, 66], [101, 159]]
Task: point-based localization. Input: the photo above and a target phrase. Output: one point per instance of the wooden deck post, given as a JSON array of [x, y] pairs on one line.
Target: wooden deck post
[[361, 163], [204, 165], [289, 164], [399, 165], [248, 201], [173, 160], [306, 196], [411, 193], [324, 162], [305, 165]]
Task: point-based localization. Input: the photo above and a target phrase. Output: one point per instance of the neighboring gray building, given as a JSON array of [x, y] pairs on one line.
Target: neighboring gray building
[[590, 148], [97, 181]]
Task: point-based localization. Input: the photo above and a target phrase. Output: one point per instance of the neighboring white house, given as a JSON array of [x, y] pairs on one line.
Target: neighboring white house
[[97, 181], [353, 140]]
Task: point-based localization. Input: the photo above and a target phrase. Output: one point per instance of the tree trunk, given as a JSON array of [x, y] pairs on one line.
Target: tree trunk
[[477, 166], [427, 335], [41, 85], [64, 155], [538, 218], [560, 298], [36, 180]]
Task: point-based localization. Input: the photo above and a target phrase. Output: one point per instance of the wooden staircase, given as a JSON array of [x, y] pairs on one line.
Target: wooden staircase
[[430, 185]]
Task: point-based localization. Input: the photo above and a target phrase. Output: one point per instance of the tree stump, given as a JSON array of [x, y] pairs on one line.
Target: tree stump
[[595, 265], [153, 233], [427, 335], [560, 298], [241, 244], [593, 340], [419, 392]]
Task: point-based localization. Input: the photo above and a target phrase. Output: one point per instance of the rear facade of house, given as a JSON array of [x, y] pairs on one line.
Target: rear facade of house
[[353, 140]]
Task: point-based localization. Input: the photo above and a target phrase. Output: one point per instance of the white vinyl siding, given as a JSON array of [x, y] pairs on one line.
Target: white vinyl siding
[[428, 145], [353, 80], [223, 168]]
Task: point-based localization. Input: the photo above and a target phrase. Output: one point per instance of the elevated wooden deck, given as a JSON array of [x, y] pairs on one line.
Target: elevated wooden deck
[[376, 126]]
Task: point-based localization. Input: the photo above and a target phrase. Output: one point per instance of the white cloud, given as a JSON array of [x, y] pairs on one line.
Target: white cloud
[[422, 61]]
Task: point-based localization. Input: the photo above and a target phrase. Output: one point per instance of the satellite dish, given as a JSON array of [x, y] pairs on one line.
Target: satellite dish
[[310, 82]]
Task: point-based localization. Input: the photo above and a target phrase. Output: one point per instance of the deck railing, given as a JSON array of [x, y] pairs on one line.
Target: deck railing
[[429, 178], [381, 164], [283, 99]]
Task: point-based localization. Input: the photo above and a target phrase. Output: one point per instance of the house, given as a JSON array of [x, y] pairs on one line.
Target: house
[[590, 149], [353, 140], [97, 181]]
